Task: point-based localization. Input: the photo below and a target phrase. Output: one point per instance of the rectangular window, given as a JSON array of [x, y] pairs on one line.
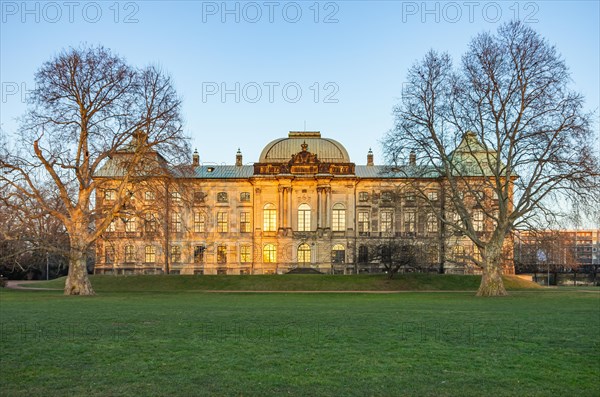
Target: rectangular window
[[221, 254], [304, 218], [150, 254], [478, 220], [269, 220], [149, 196], [199, 222], [109, 255], [244, 222], [199, 253], [150, 222], [176, 197], [110, 195], [245, 254], [363, 196], [222, 222], [386, 222], [338, 221], [363, 222], [245, 197], [363, 254], [410, 196], [112, 226], [176, 222], [410, 221], [432, 223], [432, 196], [130, 225], [176, 254], [458, 253], [476, 253], [386, 196]]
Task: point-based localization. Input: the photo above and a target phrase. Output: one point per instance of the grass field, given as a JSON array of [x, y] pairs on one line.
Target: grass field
[[292, 282], [185, 342]]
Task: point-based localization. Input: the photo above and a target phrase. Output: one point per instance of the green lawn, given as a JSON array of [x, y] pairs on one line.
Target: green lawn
[[292, 282], [190, 343]]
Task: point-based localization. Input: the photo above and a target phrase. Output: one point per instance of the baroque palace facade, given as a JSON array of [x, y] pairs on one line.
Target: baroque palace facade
[[303, 207]]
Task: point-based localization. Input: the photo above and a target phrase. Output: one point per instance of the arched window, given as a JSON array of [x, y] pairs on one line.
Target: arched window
[[269, 253], [269, 218], [150, 254], [304, 253], [338, 254], [338, 219], [129, 254], [304, 218], [363, 254]]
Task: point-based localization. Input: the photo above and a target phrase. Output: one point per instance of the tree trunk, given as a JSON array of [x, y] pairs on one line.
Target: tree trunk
[[78, 282], [491, 280]]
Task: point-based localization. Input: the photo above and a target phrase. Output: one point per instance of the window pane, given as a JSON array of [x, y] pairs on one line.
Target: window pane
[[269, 253], [245, 256], [222, 254], [410, 221], [199, 222], [130, 225], [245, 222], [269, 218], [150, 254], [363, 222], [338, 223], [303, 218], [199, 253], [176, 222], [222, 222], [304, 253], [386, 222], [338, 254]]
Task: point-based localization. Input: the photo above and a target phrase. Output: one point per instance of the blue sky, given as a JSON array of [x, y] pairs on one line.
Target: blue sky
[[337, 67]]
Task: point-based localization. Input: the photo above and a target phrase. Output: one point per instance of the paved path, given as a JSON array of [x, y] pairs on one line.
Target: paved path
[[22, 284]]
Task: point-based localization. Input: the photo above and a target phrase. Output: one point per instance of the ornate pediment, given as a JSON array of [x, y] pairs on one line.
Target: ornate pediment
[[304, 163]]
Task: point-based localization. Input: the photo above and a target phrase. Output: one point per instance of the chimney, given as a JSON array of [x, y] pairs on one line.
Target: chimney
[[139, 139], [196, 158], [370, 157], [412, 158], [238, 158]]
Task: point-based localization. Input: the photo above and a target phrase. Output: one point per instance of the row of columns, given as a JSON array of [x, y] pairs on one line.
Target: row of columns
[[323, 203], [286, 210]]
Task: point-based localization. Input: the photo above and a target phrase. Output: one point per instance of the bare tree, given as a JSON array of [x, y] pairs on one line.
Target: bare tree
[[506, 134], [31, 241], [89, 105]]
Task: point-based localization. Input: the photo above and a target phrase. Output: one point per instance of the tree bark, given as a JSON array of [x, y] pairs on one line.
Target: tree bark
[[491, 280], [77, 282]]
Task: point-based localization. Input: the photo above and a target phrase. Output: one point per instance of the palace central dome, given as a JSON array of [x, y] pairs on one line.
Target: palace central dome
[[327, 150]]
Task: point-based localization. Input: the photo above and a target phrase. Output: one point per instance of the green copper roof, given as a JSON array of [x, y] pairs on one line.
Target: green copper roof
[[281, 150]]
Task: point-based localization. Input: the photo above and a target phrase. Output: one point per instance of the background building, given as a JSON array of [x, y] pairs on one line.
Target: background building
[[303, 207], [562, 250]]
